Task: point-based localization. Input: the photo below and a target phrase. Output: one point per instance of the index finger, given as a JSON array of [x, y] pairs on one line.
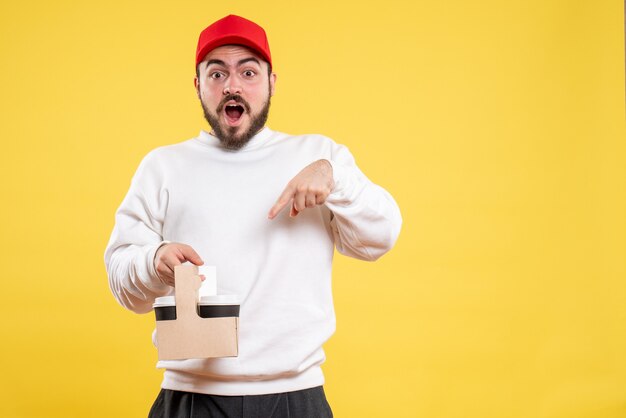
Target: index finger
[[191, 255], [282, 201]]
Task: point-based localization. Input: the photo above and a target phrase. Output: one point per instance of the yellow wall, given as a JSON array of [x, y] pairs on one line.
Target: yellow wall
[[497, 125]]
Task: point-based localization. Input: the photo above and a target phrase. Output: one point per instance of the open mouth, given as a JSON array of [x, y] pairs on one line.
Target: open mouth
[[233, 113]]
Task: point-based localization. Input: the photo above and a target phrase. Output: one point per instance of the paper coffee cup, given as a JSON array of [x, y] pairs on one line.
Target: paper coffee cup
[[218, 306], [165, 308]]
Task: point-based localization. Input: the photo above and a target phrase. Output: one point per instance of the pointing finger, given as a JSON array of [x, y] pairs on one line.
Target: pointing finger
[[280, 204], [277, 208]]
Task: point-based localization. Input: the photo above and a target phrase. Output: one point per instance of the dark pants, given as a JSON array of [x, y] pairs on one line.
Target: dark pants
[[307, 403]]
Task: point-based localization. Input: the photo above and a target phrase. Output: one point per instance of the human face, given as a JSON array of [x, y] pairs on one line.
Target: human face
[[234, 88]]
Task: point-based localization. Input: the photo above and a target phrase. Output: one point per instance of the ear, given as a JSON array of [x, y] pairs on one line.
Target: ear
[[272, 83], [196, 84]]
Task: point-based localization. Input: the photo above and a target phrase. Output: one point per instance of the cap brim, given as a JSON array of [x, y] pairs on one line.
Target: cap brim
[[231, 40]]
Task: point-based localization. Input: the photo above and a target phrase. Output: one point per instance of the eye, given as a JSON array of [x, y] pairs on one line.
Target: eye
[[249, 73], [216, 75]]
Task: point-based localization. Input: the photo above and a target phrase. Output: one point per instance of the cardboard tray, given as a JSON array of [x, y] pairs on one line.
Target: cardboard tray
[[190, 336]]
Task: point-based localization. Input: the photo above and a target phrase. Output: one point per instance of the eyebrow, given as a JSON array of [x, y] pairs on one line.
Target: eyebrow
[[243, 61], [239, 63]]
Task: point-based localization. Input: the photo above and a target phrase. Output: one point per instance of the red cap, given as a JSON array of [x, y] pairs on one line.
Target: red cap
[[233, 30]]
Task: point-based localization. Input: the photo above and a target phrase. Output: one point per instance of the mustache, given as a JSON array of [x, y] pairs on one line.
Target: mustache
[[236, 98]]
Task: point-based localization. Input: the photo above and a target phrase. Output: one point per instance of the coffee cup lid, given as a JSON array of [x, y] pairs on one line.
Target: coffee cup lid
[[204, 300], [164, 301], [219, 300]]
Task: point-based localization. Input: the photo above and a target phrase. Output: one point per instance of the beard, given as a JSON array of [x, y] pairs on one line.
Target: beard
[[228, 134]]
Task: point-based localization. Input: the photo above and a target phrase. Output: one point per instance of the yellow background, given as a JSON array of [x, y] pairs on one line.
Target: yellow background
[[497, 125]]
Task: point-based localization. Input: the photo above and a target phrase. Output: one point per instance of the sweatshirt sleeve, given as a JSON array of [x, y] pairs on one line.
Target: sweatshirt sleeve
[[136, 236], [366, 219]]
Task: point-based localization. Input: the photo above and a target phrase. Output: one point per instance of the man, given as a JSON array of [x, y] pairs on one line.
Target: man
[[267, 209]]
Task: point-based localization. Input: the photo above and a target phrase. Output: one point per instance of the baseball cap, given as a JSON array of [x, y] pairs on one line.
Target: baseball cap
[[235, 30]]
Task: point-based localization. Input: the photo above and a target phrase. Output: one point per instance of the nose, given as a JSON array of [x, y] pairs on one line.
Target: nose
[[232, 86]]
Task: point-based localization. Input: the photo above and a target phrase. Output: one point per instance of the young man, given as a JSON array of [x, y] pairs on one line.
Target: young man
[[267, 209]]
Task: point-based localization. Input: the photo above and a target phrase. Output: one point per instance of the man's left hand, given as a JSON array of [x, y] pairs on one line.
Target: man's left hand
[[309, 188]]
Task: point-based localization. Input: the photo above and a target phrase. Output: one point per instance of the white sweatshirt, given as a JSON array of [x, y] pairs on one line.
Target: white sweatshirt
[[217, 201]]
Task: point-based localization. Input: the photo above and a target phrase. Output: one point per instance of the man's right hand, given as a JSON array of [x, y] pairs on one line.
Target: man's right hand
[[171, 255]]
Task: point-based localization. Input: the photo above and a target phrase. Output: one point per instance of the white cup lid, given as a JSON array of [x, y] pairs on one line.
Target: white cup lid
[[164, 301], [219, 300], [204, 300]]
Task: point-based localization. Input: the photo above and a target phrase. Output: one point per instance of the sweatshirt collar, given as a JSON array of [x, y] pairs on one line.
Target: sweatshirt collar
[[257, 140]]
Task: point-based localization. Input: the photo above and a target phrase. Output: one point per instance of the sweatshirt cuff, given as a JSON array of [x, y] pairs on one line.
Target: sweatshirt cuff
[[341, 177]]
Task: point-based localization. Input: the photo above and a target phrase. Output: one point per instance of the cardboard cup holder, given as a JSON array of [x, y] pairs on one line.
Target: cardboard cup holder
[[188, 327]]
